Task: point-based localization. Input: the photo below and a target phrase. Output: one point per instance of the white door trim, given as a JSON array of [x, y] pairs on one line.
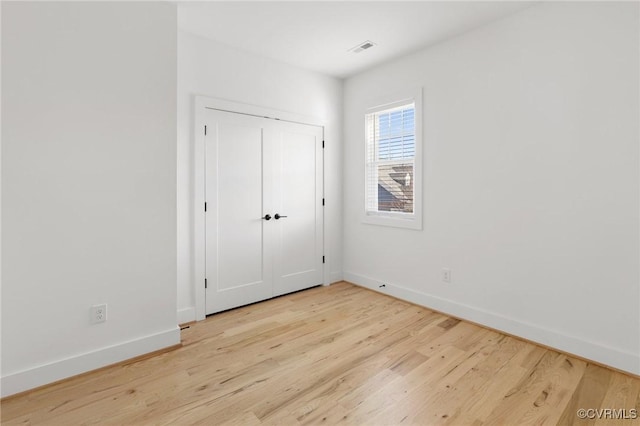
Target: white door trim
[[201, 104]]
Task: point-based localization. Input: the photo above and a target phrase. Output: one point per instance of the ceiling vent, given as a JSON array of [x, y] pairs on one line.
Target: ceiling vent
[[362, 46]]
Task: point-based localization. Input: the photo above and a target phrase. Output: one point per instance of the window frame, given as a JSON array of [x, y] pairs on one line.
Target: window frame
[[397, 219]]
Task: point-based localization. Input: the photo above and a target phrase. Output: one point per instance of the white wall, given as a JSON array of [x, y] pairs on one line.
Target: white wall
[[88, 186], [210, 69], [531, 180]]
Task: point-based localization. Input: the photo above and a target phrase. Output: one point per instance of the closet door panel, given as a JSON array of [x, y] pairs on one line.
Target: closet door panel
[[239, 206], [298, 192], [238, 256]]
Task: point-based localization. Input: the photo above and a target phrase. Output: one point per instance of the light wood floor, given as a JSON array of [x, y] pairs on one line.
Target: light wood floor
[[335, 355]]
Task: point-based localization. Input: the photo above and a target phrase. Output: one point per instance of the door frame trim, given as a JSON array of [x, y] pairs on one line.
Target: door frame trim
[[201, 104]]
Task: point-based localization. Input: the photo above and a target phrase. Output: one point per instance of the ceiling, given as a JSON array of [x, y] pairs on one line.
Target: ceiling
[[318, 35]]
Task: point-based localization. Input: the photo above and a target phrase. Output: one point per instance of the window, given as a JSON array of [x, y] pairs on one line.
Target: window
[[392, 181]]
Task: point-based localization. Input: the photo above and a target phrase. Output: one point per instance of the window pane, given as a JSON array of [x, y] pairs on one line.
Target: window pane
[[395, 187], [395, 134], [390, 160]]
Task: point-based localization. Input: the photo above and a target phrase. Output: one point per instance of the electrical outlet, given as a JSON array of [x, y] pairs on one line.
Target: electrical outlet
[[98, 313], [446, 275]]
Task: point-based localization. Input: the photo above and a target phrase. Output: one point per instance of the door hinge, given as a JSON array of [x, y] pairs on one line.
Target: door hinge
[[322, 144], [205, 206], [205, 130], [205, 283], [323, 201], [322, 259]]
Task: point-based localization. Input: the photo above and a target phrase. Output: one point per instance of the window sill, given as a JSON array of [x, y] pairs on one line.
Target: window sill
[[395, 221]]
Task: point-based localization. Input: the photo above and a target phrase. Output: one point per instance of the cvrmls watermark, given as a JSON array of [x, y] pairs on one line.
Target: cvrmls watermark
[[607, 413]]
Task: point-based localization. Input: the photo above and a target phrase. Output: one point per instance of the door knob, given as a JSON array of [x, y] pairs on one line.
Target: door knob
[[277, 216], [267, 217]]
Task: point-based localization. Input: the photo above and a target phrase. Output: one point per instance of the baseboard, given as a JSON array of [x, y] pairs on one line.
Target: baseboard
[[186, 315], [612, 357], [72, 366]]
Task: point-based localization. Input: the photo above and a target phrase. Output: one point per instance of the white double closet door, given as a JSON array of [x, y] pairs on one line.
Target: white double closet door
[[264, 214]]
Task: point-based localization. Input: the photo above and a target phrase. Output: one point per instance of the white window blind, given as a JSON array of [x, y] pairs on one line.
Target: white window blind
[[390, 161]]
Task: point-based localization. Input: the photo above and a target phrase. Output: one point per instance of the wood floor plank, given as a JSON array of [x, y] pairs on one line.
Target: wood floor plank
[[589, 393], [623, 393], [477, 406], [335, 355], [447, 399]]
